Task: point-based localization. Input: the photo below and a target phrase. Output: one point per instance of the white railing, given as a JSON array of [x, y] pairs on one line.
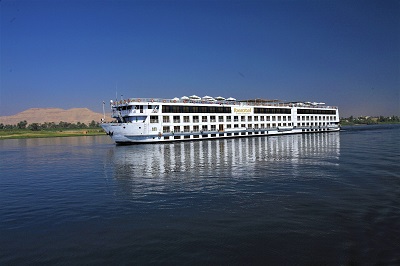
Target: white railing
[[239, 103]]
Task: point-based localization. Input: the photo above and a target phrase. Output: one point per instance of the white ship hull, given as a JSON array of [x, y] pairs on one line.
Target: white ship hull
[[151, 121]]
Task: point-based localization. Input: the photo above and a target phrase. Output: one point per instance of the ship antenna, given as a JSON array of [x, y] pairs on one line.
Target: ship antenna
[[104, 112], [116, 91]]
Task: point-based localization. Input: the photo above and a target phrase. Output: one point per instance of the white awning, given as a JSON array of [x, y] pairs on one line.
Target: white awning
[[207, 97], [195, 97]]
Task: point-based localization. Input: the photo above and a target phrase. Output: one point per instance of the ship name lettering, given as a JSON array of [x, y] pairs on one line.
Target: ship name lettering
[[242, 110]]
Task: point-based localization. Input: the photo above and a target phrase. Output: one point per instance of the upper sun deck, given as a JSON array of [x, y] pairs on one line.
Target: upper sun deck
[[218, 101]]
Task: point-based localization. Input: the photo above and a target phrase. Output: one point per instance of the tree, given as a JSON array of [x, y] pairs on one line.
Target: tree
[[34, 127], [93, 124], [22, 124]]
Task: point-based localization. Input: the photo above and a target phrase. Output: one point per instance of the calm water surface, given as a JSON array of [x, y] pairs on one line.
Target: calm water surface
[[328, 198]]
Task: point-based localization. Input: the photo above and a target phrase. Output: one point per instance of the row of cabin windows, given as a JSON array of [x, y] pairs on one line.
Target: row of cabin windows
[[197, 128], [136, 107], [213, 118], [316, 118], [219, 109], [195, 109], [316, 111]]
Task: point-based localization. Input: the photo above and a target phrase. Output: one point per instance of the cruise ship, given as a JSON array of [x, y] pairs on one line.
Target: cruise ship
[[151, 120]]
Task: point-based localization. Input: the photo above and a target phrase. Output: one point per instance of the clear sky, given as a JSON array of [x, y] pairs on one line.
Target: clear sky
[[78, 53]]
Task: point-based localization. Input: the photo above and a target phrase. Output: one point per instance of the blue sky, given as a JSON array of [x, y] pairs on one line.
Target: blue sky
[[76, 53]]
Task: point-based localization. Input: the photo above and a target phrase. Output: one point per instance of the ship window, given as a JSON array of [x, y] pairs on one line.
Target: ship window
[[177, 119], [221, 118], [153, 119], [204, 118], [166, 129], [243, 118], [166, 119], [196, 119]]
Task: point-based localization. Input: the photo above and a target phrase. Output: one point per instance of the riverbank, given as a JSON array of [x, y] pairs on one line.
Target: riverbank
[[26, 133], [345, 123]]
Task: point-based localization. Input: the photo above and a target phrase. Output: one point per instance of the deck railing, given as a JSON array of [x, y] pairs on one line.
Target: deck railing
[[225, 102]]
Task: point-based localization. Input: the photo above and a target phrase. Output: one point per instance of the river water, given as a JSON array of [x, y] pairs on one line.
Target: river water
[[326, 198]]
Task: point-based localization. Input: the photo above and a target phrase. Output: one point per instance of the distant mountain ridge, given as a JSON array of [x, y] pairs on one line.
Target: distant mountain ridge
[[42, 115]]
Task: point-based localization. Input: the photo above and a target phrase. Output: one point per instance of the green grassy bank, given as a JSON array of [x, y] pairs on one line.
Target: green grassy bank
[[27, 133]]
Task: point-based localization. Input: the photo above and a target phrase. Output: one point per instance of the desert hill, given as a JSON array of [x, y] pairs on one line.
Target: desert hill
[[41, 115]]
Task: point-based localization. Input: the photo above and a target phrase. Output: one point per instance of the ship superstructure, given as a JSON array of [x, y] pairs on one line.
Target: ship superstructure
[[147, 120]]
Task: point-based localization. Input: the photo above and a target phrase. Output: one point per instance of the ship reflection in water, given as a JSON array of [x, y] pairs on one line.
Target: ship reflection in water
[[271, 156]]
